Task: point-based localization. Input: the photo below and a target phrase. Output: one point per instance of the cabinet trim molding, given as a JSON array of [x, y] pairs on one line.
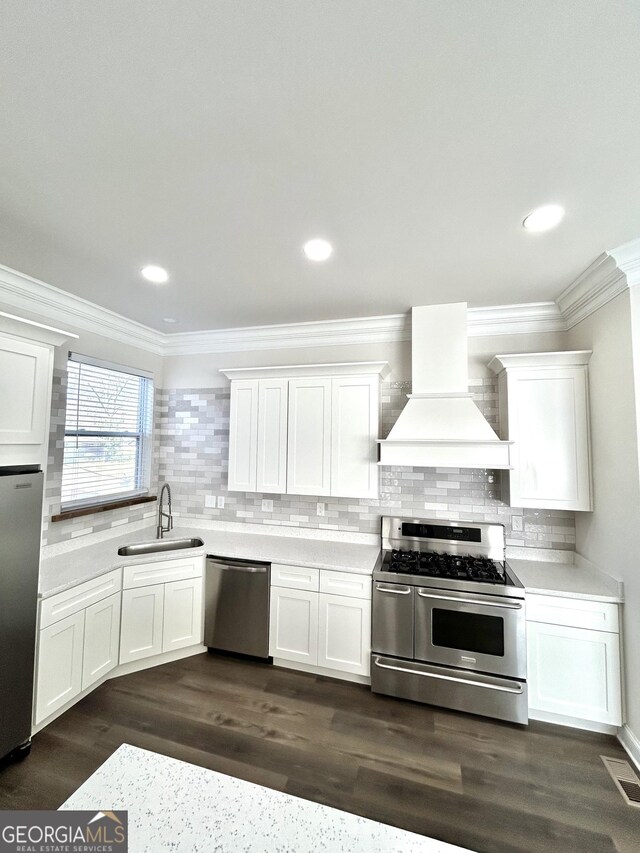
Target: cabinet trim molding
[[290, 371], [570, 358]]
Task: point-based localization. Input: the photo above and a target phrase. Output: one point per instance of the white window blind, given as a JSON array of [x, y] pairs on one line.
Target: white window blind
[[107, 440]]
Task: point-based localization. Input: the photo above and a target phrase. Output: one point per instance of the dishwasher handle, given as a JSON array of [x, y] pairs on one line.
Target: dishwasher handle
[[233, 564]]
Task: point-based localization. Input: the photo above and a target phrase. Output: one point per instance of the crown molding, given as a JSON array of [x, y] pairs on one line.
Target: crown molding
[[356, 330], [627, 258], [610, 274], [522, 319], [391, 328], [29, 294], [601, 282]]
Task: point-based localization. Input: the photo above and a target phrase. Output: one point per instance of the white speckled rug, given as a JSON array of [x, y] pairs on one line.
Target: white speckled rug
[[177, 806]]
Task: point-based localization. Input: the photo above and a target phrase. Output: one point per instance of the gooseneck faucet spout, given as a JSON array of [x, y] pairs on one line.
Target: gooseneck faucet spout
[[163, 528]]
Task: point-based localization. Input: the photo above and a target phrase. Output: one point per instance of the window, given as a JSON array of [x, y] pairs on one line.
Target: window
[[107, 438]]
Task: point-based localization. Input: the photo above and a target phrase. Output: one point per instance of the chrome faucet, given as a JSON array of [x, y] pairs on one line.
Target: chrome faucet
[[161, 529]]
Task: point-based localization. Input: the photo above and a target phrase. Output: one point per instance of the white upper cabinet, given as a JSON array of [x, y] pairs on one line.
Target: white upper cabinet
[[26, 369], [243, 436], [309, 446], [354, 420], [272, 435], [305, 430], [544, 410]]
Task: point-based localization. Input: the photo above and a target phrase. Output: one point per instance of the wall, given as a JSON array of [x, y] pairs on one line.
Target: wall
[[203, 371], [610, 535], [192, 426]]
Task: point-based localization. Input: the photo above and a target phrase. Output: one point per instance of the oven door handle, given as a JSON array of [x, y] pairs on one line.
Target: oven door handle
[[516, 688], [505, 605], [402, 590]]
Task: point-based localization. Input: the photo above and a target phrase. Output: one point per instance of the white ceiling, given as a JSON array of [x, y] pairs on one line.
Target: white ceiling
[[214, 138]]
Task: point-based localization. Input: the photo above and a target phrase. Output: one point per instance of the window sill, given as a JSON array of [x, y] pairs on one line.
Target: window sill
[[90, 510]]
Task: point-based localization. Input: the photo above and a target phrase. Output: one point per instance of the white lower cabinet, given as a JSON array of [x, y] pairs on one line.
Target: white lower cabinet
[[182, 624], [318, 628], [101, 639], [161, 617], [344, 632], [77, 642], [574, 671], [141, 631], [59, 677], [293, 625], [88, 630]]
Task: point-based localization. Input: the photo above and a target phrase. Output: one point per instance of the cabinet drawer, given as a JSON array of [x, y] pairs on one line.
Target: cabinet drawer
[[162, 571], [573, 612], [78, 597], [295, 577], [345, 583]]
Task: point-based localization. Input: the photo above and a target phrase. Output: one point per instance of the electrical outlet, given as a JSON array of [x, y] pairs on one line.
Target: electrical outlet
[[210, 501], [320, 509], [267, 506], [220, 501], [516, 523]]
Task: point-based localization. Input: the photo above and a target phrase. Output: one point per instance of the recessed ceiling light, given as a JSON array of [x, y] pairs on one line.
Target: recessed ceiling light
[[158, 275], [170, 320], [543, 218], [318, 249]]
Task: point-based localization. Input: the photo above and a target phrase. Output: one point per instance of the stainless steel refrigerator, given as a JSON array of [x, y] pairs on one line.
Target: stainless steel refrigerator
[[20, 524]]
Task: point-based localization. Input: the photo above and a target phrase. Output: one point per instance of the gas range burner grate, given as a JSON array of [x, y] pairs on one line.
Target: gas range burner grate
[[452, 566]]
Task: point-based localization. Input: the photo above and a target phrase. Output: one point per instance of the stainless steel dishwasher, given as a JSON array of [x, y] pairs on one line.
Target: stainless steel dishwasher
[[237, 606]]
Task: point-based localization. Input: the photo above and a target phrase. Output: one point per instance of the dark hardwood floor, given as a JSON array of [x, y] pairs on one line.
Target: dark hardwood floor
[[488, 786]]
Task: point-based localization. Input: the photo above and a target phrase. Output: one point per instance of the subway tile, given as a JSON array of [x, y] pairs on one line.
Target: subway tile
[[191, 448]]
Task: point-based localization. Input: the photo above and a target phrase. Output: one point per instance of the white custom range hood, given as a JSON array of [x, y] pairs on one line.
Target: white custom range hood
[[441, 426]]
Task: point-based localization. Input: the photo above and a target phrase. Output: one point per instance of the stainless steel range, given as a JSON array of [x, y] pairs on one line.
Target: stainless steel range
[[449, 619]]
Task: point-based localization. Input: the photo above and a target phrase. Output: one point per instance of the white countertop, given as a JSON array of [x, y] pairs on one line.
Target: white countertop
[[84, 563], [571, 579], [563, 573], [177, 806]]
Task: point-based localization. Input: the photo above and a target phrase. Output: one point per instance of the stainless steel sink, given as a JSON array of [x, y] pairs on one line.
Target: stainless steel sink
[[159, 546]]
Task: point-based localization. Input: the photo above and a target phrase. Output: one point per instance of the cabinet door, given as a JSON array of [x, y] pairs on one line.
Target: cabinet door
[[309, 445], [574, 672], [243, 434], [548, 423], [354, 430], [101, 639], [344, 635], [25, 377], [141, 628], [182, 614], [272, 435], [59, 676], [293, 625]]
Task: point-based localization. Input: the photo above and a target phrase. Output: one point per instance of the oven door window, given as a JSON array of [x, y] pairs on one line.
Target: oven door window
[[470, 632]]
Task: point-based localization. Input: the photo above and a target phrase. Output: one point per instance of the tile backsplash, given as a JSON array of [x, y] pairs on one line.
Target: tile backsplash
[[192, 442]]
